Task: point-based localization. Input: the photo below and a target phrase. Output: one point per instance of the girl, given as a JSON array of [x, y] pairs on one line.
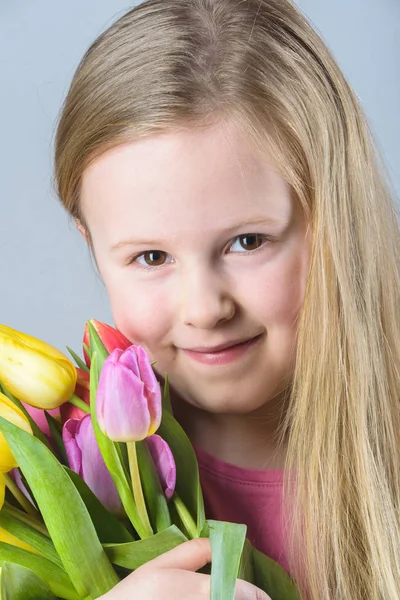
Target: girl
[[218, 164]]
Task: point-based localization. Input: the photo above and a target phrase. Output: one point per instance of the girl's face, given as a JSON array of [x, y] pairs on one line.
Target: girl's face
[[201, 244]]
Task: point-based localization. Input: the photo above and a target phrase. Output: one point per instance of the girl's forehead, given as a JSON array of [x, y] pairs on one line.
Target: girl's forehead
[[212, 174]]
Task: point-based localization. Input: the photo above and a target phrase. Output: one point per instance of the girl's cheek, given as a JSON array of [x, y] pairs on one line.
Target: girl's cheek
[[282, 292], [142, 318]]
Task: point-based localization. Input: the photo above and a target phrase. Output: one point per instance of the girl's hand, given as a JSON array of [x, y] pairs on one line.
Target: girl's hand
[[172, 575]]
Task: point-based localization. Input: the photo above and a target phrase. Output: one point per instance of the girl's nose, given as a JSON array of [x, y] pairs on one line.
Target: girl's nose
[[206, 300]]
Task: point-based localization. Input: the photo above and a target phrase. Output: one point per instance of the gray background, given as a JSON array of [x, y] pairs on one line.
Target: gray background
[[49, 285]]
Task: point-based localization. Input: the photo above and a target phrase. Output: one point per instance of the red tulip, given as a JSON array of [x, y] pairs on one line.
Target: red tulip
[[111, 338]]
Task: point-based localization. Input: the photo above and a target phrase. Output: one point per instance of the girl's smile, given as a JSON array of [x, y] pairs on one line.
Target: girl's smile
[[225, 353]]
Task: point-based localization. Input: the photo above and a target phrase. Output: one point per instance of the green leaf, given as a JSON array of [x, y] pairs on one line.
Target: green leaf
[[34, 522], [187, 470], [156, 501], [166, 399], [55, 578], [27, 534], [80, 363], [227, 540], [136, 554], [63, 512], [19, 583], [272, 578], [55, 428], [107, 525], [37, 432], [97, 346], [112, 455], [246, 571]]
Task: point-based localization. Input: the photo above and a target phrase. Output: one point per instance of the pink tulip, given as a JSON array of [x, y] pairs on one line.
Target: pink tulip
[[111, 338], [164, 462], [84, 458], [128, 399]]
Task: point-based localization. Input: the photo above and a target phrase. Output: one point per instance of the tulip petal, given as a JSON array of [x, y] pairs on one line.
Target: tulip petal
[[94, 470], [74, 453], [121, 406], [112, 338], [164, 462], [86, 460], [152, 389], [136, 359]]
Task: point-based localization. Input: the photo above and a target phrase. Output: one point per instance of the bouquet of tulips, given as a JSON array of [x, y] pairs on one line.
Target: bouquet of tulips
[[104, 483]]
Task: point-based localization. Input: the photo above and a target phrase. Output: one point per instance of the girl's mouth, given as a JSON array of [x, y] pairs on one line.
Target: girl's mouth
[[225, 355]]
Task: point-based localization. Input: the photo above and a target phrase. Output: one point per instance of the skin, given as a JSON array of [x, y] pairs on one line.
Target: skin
[[173, 220]]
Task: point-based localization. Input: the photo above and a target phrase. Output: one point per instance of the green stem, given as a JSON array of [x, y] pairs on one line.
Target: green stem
[[18, 495], [137, 488], [185, 516], [24, 518], [79, 404]]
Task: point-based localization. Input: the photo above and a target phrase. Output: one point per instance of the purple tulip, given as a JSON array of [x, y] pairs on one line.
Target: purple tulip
[[164, 462], [128, 399], [84, 458]]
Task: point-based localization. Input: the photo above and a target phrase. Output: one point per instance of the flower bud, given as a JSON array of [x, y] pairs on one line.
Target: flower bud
[[111, 338], [128, 399], [33, 371]]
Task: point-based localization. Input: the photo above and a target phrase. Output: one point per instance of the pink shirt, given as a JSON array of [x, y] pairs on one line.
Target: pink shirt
[[249, 496]]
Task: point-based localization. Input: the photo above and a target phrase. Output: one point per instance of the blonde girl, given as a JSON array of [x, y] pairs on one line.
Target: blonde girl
[[220, 167]]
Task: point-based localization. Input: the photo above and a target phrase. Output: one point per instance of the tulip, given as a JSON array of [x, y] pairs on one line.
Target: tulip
[[128, 399], [11, 413], [111, 338], [84, 458], [82, 391], [34, 371], [164, 463]]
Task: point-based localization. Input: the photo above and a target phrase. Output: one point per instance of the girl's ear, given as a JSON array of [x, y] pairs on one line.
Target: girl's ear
[[81, 229]]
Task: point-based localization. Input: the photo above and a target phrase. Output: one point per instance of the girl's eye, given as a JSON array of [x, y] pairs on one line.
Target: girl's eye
[[248, 242], [151, 258]]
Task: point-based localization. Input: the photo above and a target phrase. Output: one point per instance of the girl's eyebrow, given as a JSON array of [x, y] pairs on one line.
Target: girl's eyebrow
[[261, 220]]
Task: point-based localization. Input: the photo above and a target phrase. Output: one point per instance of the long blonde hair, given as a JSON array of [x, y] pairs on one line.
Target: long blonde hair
[[179, 63]]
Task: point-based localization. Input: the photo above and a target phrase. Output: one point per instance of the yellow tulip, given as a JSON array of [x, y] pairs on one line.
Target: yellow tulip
[[9, 538], [11, 413], [2, 490], [33, 371]]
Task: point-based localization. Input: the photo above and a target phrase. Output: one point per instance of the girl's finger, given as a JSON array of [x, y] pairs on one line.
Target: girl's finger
[[247, 591]]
